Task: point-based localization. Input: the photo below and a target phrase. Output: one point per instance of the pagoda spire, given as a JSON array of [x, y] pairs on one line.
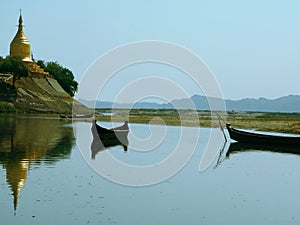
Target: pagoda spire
[[20, 46], [20, 20]]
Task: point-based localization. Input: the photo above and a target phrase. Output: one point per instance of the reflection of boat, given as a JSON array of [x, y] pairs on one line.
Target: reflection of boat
[[245, 147], [104, 138], [259, 138]]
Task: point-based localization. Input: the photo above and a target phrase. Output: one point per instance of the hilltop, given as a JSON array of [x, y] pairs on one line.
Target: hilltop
[[283, 104]]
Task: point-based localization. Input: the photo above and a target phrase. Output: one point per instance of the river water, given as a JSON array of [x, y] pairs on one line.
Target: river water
[[49, 177]]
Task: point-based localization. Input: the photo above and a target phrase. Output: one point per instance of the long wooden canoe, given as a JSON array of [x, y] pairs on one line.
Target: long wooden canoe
[[104, 138], [260, 138]]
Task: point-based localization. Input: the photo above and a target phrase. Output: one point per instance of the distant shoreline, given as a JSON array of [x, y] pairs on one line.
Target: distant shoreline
[[262, 121], [283, 125]]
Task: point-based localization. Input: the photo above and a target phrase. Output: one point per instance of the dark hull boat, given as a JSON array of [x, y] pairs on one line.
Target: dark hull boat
[[104, 138], [121, 131], [239, 147], [63, 116], [265, 139]]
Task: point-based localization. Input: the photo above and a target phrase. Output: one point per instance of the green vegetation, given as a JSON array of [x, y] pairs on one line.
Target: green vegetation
[[14, 66], [252, 114], [63, 75], [279, 115], [6, 107], [18, 69], [7, 92]]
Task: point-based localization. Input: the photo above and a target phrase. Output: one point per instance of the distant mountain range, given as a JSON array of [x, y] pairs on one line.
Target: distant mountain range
[[289, 103]]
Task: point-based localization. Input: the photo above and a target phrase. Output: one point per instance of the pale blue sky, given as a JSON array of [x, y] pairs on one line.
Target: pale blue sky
[[253, 47]]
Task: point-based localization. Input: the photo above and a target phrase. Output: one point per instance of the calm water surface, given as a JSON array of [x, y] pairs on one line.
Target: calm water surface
[[45, 180]]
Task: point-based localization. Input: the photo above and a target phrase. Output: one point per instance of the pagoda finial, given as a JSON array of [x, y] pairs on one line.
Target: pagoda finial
[[20, 18]]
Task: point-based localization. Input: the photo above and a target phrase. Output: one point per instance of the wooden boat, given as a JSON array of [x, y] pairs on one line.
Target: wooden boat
[[64, 116], [239, 147], [104, 138], [120, 131], [259, 138]]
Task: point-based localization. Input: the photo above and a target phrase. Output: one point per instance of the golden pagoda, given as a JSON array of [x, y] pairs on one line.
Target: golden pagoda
[[20, 47]]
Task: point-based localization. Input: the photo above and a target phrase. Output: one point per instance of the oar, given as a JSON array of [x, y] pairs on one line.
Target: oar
[[220, 118]]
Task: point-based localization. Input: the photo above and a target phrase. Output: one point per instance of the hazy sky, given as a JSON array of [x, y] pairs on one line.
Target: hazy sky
[[253, 47]]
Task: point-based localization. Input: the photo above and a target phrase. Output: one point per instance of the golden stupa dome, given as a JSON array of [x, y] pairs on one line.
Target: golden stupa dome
[[20, 46]]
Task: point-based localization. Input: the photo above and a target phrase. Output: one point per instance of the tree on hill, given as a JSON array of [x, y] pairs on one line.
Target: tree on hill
[[7, 92], [15, 66], [63, 75]]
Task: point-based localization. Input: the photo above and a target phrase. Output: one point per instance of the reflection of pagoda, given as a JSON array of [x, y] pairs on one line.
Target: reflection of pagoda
[[16, 175], [20, 47], [14, 163], [24, 141]]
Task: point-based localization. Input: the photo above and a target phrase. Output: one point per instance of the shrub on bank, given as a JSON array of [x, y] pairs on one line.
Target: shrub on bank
[[7, 107], [7, 92]]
